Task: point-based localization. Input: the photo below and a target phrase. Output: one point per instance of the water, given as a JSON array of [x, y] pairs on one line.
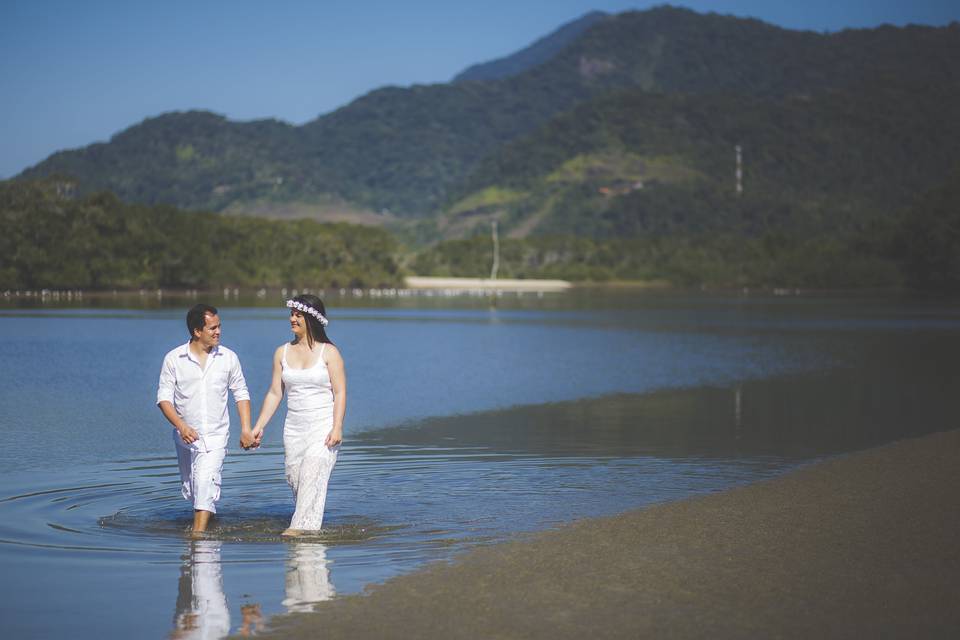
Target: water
[[465, 426]]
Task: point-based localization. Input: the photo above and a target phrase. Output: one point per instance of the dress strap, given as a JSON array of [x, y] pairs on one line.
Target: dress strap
[[322, 347], [283, 360]]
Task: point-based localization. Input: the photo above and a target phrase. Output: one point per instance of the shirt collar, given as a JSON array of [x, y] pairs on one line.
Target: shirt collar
[[189, 354]]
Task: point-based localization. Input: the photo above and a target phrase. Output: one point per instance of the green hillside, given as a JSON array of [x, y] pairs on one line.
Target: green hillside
[[536, 54], [54, 239], [409, 149], [195, 159], [635, 163]]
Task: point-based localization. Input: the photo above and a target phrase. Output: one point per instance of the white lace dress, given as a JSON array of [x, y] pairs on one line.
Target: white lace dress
[[308, 461]]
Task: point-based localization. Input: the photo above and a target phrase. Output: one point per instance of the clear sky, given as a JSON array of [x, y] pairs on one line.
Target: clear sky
[[74, 72]]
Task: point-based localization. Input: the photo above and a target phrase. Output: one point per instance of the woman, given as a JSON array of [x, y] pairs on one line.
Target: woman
[[310, 369]]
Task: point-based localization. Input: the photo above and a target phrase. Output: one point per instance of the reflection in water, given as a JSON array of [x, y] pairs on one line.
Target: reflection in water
[[252, 619], [308, 578], [888, 389], [201, 604], [738, 412], [202, 610]]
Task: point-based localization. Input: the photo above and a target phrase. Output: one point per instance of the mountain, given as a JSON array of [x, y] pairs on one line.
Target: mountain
[[419, 150], [196, 159], [635, 163], [537, 53]]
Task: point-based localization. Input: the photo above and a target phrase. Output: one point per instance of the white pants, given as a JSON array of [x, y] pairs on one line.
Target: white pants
[[200, 473]]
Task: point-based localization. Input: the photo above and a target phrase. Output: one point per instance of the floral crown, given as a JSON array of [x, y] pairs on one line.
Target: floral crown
[[304, 308]]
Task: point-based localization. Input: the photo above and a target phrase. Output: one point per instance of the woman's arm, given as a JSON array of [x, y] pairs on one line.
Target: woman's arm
[[271, 400], [338, 380]]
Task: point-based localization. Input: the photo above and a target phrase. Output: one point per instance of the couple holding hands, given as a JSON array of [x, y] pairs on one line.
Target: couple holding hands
[[192, 395]]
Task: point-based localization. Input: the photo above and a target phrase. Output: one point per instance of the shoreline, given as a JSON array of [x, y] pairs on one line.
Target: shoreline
[[487, 285], [416, 286], [857, 545]]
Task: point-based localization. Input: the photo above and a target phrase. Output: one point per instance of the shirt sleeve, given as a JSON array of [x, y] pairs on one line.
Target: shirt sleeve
[[168, 380], [238, 385]]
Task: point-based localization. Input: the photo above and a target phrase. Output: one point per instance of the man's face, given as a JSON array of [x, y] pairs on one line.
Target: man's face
[[209, 336]]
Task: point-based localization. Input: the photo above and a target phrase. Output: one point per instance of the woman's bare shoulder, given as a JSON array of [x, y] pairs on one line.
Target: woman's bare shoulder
[[331, 351]]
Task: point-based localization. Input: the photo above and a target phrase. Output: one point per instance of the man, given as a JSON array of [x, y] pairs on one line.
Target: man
[[192, 395]]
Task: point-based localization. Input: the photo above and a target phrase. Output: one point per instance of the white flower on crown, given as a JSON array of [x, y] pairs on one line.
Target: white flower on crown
[[303, 308]]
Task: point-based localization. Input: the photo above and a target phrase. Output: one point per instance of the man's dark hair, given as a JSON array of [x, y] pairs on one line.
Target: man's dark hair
[[197, 317]]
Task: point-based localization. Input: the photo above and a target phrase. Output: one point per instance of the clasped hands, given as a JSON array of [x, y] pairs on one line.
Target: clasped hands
[[250, 438]]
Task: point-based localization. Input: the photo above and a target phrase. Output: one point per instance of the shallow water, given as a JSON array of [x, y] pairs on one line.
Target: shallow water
[[465, 426]]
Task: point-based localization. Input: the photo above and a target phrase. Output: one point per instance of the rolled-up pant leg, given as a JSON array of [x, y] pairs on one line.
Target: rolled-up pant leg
[[200, 474]]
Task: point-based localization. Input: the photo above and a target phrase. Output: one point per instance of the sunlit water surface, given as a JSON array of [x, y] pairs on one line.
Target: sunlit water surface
[[466, 425]]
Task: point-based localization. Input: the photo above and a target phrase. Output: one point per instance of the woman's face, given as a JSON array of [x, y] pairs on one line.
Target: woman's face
[[298, 324]]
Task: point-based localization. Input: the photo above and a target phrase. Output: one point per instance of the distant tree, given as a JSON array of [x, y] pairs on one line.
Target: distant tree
[[48, 238], [930, 241]]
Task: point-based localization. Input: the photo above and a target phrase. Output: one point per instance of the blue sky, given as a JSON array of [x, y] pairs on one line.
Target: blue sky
[[76, 72]]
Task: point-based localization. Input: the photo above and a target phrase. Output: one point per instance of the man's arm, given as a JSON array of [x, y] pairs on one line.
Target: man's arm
[[246, 434], [238, 386], [168, 381], [187, 433]]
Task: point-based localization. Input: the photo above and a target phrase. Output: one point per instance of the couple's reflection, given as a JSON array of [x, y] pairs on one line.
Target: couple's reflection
[[308, 577], [202, 610]]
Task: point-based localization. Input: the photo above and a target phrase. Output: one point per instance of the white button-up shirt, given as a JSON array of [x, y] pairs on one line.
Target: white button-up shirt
[[199, 396]]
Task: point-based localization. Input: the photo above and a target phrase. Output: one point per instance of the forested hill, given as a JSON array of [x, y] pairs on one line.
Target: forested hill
[[635, 163], [414, 150], [537, 53], [52, 238], [55, 239]]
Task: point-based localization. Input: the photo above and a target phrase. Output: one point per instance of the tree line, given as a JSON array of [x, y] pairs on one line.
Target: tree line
[[53, 239]]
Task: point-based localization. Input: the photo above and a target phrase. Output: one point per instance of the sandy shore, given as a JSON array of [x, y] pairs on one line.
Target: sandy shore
[[860, 546], [485, 284]]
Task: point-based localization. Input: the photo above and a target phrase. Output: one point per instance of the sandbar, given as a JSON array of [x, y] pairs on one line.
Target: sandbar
[[863, 545]]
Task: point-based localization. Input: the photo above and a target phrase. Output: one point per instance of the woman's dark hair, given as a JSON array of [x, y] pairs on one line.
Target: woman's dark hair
[[315, 330], [197, 317]]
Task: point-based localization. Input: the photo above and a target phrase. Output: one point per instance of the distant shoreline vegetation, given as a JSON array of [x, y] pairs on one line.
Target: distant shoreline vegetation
[[54, 240]]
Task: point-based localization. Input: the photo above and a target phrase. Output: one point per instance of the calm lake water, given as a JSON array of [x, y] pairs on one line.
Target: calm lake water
[[466, 425]]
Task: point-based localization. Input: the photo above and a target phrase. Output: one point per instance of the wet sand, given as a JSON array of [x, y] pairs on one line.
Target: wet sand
[[863, 545], [485, 284]]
